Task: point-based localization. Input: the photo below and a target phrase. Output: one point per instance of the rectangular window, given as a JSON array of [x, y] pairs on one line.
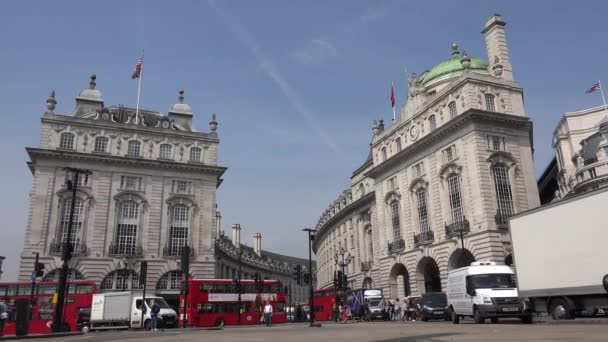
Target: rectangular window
[[455, 198], [195, 154], [395, 220], [101, 144], [352, 241], [452, 109], [449, 154], [134, 148], [67, 141], [182, 187], [432, 122], [179, 229], [419, 170], [392, 183], [165, 151], [496, 143], [423, 215], [490, 103], [130, 183]]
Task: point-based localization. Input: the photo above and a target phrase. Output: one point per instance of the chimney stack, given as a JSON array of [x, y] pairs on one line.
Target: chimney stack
[[236, 235], [257, 244], [496, 45]]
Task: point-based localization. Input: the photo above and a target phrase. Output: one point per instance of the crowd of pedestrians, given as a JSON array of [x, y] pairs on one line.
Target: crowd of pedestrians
[[405, 309]]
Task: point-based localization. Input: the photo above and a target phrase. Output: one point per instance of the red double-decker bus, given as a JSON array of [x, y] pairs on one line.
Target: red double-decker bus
[[79, 297], [214, 302], [324, 302]]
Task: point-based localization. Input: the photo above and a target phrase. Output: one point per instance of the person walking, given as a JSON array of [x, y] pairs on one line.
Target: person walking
[[3, 316], [154, 310], [397, 309], [268, 314]]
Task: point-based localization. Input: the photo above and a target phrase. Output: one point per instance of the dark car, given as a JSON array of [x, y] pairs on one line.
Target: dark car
[[83, 321], [434, 305]]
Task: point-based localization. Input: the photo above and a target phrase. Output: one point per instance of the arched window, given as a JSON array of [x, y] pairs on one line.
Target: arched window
[[395, 220], [423, 214], [455, 198], [101, 144], [398, 143], [126, 231], [66, 141], [432, 122], [53, 275], [383, 151], [452, 109], [504, 196], [165, 151], [78, 219], [490, 103], [178, 232], [134, 148], [195, 154], [121, 280], [170, 280], [370, 241]]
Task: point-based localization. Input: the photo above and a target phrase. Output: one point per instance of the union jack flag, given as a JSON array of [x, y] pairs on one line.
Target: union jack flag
[[595, 87], [137, 71]]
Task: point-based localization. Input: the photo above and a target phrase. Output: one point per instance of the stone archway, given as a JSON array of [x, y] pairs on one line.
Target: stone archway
[[460, 258], [429, 277], [399, 281], [509, 260], [367, 283]]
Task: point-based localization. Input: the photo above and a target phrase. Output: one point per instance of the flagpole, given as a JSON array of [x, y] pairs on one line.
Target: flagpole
[[392, 99], [603, 97], [141, 74]]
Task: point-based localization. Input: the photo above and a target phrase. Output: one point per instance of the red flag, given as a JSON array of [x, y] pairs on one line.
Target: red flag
[[137, 72], [595, 87], [392, 95]]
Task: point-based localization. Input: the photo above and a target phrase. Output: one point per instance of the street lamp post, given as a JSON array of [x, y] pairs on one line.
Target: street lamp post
[[343, 253], [67, 249], [238, 284], [311, 237]]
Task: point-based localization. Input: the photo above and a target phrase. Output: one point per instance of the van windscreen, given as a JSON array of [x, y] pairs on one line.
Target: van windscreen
[[492, 281]]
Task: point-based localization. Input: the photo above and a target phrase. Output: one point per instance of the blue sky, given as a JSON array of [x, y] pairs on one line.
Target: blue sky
[[295, 85]]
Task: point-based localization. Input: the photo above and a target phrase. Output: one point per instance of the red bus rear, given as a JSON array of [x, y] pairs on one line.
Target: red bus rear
[[324, 302], [214, 302], [80, 296]]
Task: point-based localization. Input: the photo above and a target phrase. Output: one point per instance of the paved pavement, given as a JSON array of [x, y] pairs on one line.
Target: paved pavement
[[376, 331]]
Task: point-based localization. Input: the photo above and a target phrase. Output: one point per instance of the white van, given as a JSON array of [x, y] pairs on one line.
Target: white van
[[484, 290], [122, 310]]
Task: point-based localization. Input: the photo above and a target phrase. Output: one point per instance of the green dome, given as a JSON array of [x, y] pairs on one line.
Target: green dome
[[453, 65]]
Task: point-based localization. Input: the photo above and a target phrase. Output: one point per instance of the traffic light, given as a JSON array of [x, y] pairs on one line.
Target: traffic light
[[143, 272], [39, 269], [344, 281], [306, 278], [186, 259], [297, 274]]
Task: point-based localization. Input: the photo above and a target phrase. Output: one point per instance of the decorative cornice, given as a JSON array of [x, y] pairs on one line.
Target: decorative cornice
[[36, 153], [471, 115], [349, 209]]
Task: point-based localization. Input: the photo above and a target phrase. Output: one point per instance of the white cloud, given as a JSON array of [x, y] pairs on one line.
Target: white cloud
[[317, 51]]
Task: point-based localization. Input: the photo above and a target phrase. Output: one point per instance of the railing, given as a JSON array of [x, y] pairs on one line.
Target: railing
[[592, 171], [396, 246], [366, 266], [501, 219], [456, 227], [175, 251], [424, 238], [56, 247], [126, 250]]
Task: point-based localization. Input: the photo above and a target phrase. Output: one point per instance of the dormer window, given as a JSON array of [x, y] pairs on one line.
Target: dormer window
[[134, 148], [165, 151], [383, 151], [67, 141]]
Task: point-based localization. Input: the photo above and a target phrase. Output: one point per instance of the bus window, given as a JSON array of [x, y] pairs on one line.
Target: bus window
[[24, 290], [83, 288], [279, 307], [3, 291], [46, 289], [12, 290], [204, 308]]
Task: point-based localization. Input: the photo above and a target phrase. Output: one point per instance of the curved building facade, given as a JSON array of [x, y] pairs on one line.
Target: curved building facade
[[439, 184]]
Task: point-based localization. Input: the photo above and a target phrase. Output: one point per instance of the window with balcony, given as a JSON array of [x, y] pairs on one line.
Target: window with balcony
[[432, 122], [490, 103], [449, 154], [126, 230], [178, 232], [419, 170], [165, 151], [504, 196], [496, 143], [131, 183], [101, 144], [452, 109], [395, 220], [195, 154], [423, 214], [134, 148], [455, 198], [78, 219], [66, 141]]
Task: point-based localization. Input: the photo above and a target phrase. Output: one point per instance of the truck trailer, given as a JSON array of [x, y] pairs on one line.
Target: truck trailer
[[558, 252]]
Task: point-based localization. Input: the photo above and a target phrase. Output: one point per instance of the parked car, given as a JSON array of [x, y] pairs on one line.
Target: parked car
[[434, 305]]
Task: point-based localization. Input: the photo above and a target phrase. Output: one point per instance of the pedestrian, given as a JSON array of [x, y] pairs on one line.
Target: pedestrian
[[397, 308], [406, 309], [268, 314], [391, 309], [334, 311], [3, 316], [343, 314], [413, 310], [383, 308], [154, 310]]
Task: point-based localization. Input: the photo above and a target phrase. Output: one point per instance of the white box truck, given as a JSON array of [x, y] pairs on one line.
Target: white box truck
[[559, 255], [122, 310], [484, 290]]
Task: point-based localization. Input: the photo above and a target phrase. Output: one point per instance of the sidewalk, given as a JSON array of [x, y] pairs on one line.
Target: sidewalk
[[38, 336]]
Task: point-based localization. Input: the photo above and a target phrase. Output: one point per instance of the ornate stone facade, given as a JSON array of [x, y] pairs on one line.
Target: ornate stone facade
[[440, 183], [152, 190]]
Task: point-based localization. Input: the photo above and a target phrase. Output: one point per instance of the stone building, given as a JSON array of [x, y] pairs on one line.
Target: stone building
[[256, 260], [580, 140], [439, 184], [152, 190]]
